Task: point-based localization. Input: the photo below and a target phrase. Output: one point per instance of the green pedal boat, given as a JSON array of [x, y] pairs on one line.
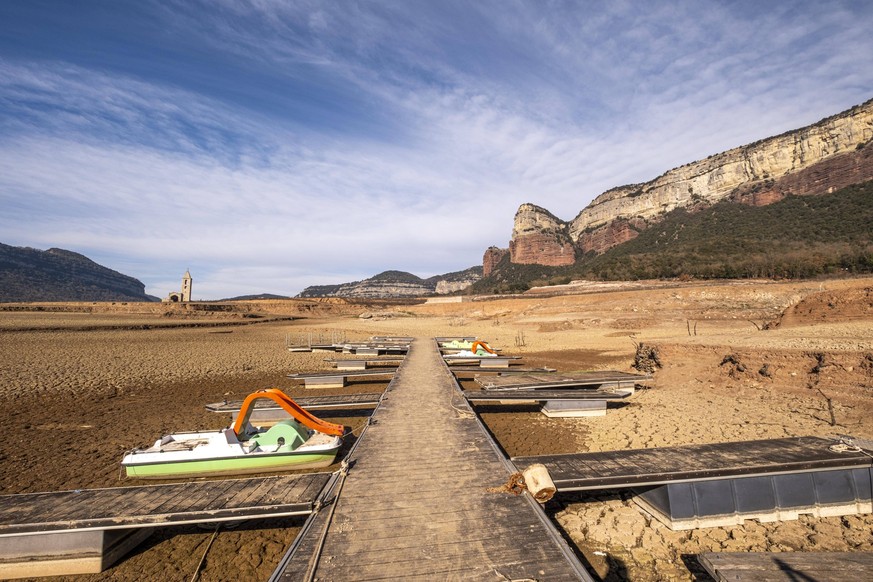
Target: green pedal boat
[[300, 442]]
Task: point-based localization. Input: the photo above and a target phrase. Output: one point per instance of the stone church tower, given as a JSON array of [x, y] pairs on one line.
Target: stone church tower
[[185, 295], [186, 286]]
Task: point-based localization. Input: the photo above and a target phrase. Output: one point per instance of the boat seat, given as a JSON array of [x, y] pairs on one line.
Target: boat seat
[[286, 434]]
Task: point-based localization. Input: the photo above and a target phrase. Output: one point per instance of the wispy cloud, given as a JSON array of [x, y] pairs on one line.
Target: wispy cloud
[[269, 146]]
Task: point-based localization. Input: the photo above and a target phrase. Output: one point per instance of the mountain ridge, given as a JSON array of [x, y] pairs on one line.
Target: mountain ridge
[[28, 274], [398, 284], [819, 158]]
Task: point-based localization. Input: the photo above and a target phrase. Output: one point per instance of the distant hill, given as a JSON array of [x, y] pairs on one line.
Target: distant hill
[[28, 274], [397, 284], [796, 237], [254, 297]]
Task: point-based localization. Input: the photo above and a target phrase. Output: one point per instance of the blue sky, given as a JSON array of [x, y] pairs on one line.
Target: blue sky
[[267, 146]]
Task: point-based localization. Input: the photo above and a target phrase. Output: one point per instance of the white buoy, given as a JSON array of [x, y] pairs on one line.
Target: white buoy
[[539, 482]]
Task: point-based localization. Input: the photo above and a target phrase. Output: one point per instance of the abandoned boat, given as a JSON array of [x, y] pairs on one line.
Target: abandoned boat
[[457, 344], [475, 349], [478, 349], [300, 442]]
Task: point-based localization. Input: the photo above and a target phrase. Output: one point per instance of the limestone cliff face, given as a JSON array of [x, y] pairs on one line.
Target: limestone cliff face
[[771, 160], [444, 287], [538, 237], [821, 158], [457, 281], [836, 172]]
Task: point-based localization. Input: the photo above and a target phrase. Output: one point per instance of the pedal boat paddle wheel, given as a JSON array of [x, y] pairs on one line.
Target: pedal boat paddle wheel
[[300, 442]]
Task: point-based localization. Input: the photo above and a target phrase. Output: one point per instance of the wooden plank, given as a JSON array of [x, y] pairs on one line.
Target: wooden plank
[[312, 491], [45, 504], [229, 496], [637, 467], [271, 493], [183, 503]]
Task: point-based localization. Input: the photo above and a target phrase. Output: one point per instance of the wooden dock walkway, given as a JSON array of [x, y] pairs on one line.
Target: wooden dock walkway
[[544, 395], [365, 363], [338, 378], [156, 505], [724, 484], [307, 402], [580, 380], [415, 504], [266, 412], [646, 467], [85, 531]]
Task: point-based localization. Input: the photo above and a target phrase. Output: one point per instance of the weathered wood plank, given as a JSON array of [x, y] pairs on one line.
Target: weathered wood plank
[[228, 496], [257, 493], [48, 504]]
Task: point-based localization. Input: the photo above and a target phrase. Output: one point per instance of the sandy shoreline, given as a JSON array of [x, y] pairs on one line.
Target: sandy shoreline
[[76, 399]]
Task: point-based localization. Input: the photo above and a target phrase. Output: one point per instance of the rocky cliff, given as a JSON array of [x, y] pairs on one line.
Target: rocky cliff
[[28, 274], [539, 237], [493, 256], [818, 159]]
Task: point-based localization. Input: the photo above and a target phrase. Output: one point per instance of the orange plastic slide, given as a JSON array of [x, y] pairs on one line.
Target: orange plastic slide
[[482, 345], [289, 406]]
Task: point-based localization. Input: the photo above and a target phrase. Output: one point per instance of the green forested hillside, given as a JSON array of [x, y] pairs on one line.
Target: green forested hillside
[[28, 274], [800, 236]]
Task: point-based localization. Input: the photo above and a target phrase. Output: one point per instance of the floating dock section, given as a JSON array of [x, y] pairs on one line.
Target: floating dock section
[[553, 381], [266, 411], [86, 531], [365, 363], [415, 503], [485, 362], [726, 483], [556, 403], [316, 380], [578, 395]]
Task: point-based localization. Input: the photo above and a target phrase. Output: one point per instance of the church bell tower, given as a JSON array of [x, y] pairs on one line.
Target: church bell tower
[[186, 286]]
